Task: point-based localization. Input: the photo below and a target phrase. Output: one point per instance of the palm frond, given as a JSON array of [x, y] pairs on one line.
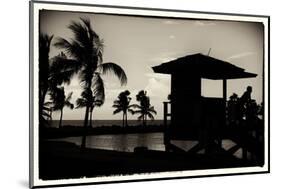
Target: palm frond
[[98, 87], [134, 106], [87, 23], [69, 105], [81, 34], [62, 70], [138, 112], [80, 103], [45, 114], [131, 111], [116, 106], [98, 103], [140, 117], [45, 41], [68, 98], [48, 104], [115, 69], [72, 48], [117, 111], [151, 109], [150, 115], [46, 108]]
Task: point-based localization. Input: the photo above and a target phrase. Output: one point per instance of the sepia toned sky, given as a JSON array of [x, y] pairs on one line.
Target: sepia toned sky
[[139, 43]]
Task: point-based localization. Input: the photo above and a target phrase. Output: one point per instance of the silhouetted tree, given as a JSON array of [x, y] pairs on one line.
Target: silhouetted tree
[[144, 108], [261, 109], [232, 109], [122, 104], [60, 101], [85, 51], [92, 101], [47, 110], [44, 69]]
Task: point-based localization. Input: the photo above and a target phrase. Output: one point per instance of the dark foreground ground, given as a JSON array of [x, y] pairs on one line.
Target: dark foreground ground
[[62, 160]]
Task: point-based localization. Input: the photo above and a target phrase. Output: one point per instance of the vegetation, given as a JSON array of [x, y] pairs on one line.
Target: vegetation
[[86, 59], [91, 101], [144, 108], [122, 104], [44, 68], [60, 101]]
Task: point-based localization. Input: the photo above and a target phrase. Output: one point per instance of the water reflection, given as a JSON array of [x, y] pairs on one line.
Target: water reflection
[[127, 142], [122, 142]]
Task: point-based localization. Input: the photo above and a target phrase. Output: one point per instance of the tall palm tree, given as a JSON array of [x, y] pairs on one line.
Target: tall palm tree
[[144, 108], [122, 104], [60, 101], [44, 71], [85, 51]]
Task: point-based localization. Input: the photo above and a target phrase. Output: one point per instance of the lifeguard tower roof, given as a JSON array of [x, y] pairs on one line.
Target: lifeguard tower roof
[[203, 66]]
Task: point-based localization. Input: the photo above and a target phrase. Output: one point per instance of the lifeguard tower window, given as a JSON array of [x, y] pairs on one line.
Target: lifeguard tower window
[[211, 88]]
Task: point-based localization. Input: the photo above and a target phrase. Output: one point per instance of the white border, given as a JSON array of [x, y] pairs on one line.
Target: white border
[[34, 28]]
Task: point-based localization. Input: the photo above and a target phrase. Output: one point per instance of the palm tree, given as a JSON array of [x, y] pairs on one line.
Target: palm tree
[[122, 104], [44, 70], [60, 101], [144, 108], [48, 110], [92, 101], [85, 52]]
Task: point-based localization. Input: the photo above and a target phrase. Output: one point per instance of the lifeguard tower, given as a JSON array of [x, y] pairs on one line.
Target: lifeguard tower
[[193, 117]]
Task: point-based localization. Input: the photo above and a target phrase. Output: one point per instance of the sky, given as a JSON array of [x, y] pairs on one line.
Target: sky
[[139, 43]]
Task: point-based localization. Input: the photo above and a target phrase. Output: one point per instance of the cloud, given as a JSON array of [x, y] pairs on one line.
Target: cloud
[[204, 23], [164, 57], [172, 37], [157, 88], [157, 76], [241, 55], [170, 22]]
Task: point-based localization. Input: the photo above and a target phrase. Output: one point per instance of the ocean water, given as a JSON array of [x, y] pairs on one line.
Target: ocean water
[[127, 142], [98, 123]]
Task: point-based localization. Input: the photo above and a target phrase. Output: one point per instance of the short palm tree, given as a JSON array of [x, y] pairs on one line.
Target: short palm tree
[[60, 101], [122, 104], [144, 108], [89, 99], [85, 52]]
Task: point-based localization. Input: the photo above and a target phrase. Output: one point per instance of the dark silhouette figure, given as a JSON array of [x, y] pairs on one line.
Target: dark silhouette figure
[[122, 104], [244, 102], [144, 108], [86, 53]]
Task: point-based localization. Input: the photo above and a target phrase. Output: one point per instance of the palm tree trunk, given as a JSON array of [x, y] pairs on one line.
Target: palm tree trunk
[[126, 119], [123, 120], [61, 113], [83, 143], [91, 114], [51, 112], [143, 121]]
